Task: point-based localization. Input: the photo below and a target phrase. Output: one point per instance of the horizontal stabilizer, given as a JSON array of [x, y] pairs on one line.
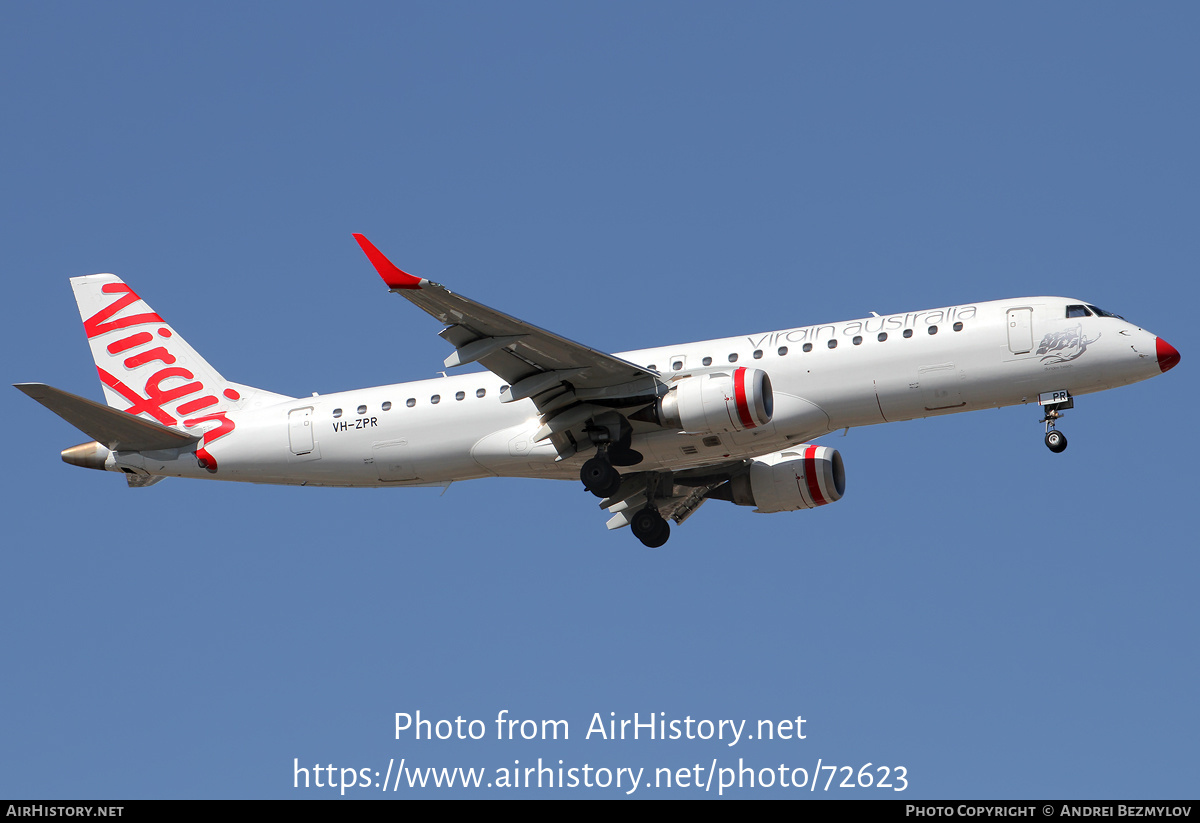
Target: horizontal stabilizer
[[115, 429]]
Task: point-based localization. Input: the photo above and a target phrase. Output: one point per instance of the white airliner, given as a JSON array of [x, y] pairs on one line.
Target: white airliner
[[654, 433]]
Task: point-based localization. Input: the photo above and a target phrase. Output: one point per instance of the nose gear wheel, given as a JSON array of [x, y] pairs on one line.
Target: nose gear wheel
[[1056, 441]]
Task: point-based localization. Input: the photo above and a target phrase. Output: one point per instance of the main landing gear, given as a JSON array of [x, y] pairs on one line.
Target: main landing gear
[[612, 435], [650, 527], [599, 477], [602, 480]]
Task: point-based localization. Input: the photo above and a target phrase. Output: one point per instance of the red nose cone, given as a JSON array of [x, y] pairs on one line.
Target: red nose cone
[[1167, 356]]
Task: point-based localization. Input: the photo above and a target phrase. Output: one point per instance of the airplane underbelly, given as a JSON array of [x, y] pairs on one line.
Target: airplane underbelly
[[512, 452], [393, 460]]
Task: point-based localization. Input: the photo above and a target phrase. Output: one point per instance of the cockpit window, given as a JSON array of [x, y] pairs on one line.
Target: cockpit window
[[1078, 311], [1103, 313]]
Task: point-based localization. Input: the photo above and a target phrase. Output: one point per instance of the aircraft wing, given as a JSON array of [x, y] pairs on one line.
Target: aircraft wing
[[551, 370]]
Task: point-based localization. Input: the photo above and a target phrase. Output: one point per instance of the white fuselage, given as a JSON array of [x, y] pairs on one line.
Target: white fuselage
[[455, 428]]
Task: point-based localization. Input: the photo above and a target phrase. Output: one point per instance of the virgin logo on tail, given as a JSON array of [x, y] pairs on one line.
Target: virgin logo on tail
[[140, 350], [99, 322]]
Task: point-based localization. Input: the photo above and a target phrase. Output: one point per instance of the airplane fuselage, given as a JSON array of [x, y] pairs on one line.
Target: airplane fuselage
[[825, 377], [653, 433]]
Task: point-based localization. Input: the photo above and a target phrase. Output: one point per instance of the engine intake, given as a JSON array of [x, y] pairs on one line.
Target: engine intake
[[719, 402], [801, 478]]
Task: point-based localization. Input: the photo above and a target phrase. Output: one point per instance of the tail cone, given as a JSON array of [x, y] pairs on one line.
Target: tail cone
[[88, 455]]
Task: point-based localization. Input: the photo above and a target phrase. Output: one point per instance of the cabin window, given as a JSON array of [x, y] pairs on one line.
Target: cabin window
[[958, 326], [410, 402], [362, 409], [858, 340], [832, 344], [881, 336], [460, 395], [707, 361], [480, 392], [677, 365], [758, 354], [782, 351], [651, 367], [808, 346], [387, 405], [1078, 311], [933, 329], [437, 398], [503, 389], [337, 412], [733, 357], [908, 332]]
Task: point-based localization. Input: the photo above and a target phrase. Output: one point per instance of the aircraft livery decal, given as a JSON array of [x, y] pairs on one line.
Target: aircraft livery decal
[[1063, 346], [154, 396]]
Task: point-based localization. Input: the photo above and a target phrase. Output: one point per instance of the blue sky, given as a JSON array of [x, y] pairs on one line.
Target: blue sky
[[1000, 621]]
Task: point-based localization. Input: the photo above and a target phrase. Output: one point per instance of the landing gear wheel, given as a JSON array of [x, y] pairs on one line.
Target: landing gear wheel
[[1056, 441], [649, 527], [599, 477]]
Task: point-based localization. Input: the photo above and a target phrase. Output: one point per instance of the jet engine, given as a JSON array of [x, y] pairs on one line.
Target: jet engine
[[719, 402], [801, 478]]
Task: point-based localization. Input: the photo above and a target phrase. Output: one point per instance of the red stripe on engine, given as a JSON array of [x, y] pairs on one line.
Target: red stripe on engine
[[810, 474], [739, 395]]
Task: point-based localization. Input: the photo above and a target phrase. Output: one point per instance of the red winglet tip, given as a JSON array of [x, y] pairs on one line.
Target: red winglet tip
[[393, 276]]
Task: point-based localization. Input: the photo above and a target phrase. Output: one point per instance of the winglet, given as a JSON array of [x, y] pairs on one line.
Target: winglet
[[394, 277]]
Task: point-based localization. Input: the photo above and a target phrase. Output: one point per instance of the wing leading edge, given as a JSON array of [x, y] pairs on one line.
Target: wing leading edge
[[554, 372], [586, 400]]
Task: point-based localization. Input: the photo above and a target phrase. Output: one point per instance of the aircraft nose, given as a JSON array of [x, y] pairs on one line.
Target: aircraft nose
[[1168, 358]]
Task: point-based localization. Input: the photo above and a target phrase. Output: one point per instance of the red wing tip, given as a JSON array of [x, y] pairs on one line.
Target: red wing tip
[[393, 276]]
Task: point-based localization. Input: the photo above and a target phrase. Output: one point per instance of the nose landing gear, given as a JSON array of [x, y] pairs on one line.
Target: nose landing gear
[[1056, 441]]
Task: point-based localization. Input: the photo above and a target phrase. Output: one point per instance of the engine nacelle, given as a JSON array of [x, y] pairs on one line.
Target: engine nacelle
[[801, 478], [719, 402]]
